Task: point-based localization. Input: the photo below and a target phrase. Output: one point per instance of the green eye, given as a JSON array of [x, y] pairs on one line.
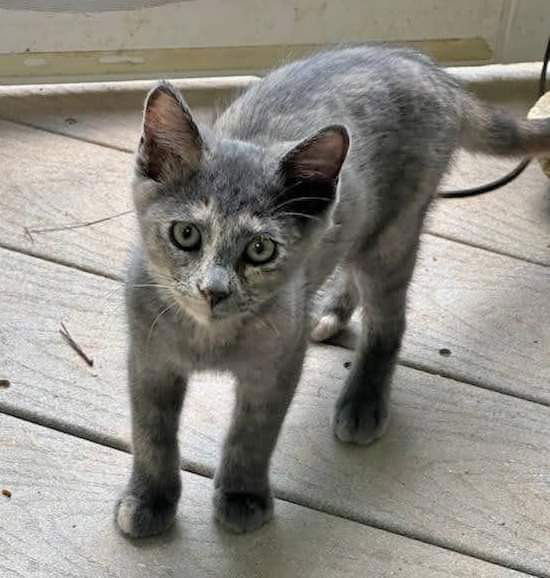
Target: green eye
[[185, 236], [260, 250]]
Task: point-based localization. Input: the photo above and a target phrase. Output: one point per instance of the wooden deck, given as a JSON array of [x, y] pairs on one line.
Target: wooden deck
[[459, 486]]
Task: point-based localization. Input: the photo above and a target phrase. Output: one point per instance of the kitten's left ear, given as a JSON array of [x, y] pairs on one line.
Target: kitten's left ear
[[310, 172], [171, 144]]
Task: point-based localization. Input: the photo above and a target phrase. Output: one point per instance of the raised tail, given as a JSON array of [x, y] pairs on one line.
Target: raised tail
[[496, 131]]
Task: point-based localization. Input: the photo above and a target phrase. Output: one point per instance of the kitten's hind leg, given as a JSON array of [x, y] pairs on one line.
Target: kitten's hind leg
[[383, 272], [337, 304]]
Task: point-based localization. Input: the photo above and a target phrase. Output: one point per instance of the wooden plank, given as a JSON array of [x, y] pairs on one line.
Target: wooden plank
[[51, 181], [58, 522], [460, 466], [490, 311], [513, 220], [108, 113]]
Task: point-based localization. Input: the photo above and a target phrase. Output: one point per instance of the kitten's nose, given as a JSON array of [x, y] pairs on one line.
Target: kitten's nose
[[213, 295]]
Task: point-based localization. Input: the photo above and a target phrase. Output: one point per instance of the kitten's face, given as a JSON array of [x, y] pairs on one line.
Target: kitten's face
[[215, 240], [226, 224]]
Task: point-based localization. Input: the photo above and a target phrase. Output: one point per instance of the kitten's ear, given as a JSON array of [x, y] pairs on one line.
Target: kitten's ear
[[170, 145], [310, 172]]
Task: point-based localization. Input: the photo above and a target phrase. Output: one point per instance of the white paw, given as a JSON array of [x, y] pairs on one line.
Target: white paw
[[126, 514], [328, 326]]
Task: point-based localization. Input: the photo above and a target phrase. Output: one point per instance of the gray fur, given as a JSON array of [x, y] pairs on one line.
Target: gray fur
[[270, 166]]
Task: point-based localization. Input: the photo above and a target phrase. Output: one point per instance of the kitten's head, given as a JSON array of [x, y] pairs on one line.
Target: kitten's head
[[225, 224]]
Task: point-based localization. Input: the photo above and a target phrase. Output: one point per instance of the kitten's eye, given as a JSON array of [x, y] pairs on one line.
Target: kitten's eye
[[260, 250], [185, 236]]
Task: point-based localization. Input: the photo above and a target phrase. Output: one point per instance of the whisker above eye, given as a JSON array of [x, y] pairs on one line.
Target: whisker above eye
[[287, 190], [301, 199], [302, 215]]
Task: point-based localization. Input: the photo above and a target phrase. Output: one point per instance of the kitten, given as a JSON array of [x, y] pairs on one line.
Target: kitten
[[324, 168]]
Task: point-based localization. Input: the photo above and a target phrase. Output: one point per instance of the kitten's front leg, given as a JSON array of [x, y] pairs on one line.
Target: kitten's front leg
[[148, 506], [243, 500]]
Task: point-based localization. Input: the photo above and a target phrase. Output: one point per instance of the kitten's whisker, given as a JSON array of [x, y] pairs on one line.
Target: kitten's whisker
[[144, 285], [269, 324], [155, 321], [287, 189], [300, 199], [286, 213]]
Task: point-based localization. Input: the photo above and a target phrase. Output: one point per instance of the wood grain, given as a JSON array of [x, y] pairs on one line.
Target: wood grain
[[514, 220], [460, 466], [58, 522]]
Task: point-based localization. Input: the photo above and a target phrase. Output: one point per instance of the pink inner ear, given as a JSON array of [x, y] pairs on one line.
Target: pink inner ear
[[169, 127], [320, 157]]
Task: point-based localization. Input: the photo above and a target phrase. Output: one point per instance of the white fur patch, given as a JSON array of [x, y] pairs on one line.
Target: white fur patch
[[328, 326], [126, 513]]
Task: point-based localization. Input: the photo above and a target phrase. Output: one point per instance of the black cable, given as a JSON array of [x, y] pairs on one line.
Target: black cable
[[515, 172]]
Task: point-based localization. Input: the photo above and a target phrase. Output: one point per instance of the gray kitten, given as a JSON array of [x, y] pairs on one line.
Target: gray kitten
[[324, 168]]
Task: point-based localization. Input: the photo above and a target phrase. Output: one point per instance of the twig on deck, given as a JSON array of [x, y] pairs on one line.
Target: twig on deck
[[28, 234], [74, 345], [76, 225]]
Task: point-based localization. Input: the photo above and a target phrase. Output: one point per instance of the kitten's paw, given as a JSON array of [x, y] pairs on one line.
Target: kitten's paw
[[360, 422], [240, 513], [326, 327], [139, 518]]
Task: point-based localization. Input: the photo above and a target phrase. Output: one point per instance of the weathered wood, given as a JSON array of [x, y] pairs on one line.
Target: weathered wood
[[58, 522], [514, 220], [109, 114], [491, 311], [50, 181], [460, 466]]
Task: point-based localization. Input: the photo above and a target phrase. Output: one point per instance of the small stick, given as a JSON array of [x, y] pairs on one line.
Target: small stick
[[77, 225], [4, 383], [74, 345], [28, 234]]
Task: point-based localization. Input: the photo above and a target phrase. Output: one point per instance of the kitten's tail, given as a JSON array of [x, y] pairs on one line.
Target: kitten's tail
[[496, 131]]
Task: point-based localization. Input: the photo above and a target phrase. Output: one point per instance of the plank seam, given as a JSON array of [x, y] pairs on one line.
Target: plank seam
[[61, 262], [456, 377], [68, 135], [86, 435], [452, 239]]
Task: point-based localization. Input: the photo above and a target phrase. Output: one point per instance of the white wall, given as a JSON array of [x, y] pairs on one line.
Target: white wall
[[196, 37]]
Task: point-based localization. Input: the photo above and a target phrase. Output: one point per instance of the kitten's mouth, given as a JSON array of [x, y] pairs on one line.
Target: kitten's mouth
[[200, 311]]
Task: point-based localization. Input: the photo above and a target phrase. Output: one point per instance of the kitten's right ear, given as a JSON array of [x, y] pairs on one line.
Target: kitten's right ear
[[171, 145]]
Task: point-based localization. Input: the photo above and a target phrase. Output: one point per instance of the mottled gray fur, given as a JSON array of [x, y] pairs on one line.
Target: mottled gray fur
[[270, 166]]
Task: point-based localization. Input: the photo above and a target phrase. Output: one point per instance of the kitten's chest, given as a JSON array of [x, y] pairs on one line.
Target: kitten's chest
[[199, 348]]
